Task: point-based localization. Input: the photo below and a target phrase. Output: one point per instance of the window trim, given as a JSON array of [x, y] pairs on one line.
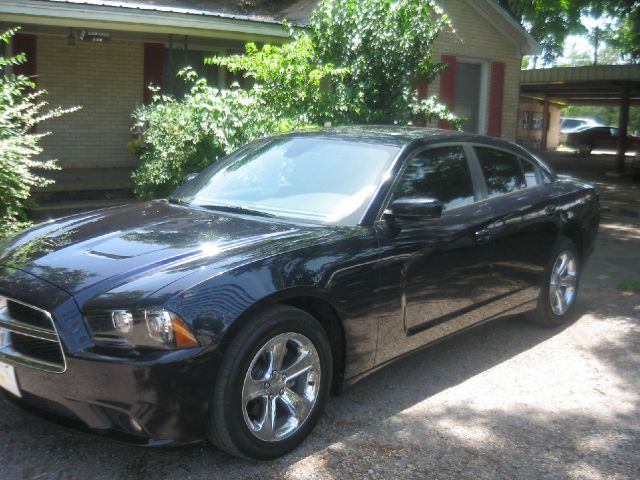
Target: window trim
[[477, 191]]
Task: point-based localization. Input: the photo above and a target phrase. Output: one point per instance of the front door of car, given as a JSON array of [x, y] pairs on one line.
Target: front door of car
[[433, 273], [603, 138]]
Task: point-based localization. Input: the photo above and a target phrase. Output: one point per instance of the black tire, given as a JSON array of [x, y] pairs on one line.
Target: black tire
[[585, 149], [544, 313], [227, 428]]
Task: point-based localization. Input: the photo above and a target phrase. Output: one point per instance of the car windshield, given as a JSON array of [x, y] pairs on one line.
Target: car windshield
[[322, 180]]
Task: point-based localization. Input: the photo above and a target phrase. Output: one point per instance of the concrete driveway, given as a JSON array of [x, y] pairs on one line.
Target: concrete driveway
[[507, 400]]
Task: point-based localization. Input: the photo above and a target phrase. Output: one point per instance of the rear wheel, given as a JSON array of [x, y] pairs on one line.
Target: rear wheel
[[585, 149], [272, 385], [560, 288]]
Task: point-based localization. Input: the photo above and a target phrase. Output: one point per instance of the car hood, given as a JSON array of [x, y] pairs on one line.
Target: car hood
[[108, 246]]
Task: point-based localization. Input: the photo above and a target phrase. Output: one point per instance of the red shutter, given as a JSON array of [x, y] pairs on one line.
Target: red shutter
[[27, 44], [496, 99], [153, 68], [448, 86]]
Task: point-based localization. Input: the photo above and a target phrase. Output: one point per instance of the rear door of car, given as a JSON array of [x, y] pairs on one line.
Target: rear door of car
[[433, 273], [524, 224]]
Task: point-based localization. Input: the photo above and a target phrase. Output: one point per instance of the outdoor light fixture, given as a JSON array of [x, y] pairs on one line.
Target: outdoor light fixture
[[71, 39]]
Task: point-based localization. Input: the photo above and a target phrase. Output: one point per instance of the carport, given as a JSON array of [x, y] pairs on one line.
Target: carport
[[592, 85]]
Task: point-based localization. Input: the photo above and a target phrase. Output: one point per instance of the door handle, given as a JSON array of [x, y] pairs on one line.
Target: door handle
[[483, 236], [550, 210]]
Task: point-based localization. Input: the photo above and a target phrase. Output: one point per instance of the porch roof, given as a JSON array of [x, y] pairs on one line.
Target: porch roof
[[222, 19], [257, 17]]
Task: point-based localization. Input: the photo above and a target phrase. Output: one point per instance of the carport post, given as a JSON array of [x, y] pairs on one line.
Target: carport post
[[623, 123], [545, 124]]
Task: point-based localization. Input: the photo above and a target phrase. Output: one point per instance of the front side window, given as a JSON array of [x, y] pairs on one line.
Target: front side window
[[439, 173], [322, 180], [502, 171]]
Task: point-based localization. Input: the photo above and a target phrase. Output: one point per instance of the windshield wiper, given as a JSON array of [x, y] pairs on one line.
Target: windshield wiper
[[177, 201], [236, 209]]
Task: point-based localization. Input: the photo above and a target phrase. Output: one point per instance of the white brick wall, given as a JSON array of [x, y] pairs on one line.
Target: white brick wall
[[107, 81]]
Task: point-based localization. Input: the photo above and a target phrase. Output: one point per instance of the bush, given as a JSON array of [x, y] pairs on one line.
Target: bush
[[291, 91], [21, 109], [361, 62]]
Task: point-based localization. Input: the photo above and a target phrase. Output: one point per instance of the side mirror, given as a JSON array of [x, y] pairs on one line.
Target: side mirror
[[190, 177], [415, 209]]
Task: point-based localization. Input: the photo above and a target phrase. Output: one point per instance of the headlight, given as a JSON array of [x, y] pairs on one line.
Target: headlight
[[140, 329]]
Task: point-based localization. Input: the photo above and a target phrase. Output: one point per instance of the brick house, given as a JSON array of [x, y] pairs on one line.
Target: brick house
[[102, 54]]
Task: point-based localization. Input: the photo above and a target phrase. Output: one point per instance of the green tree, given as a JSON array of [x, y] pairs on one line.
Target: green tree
[[21, 109], [551, 21], [607, 55], [625, 36], [387, 47]]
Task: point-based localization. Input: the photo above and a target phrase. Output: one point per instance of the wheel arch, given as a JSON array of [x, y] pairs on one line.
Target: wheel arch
[[573, 231], [315, 303]]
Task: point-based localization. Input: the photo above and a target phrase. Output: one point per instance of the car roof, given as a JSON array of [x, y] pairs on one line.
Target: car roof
[[398, 136]]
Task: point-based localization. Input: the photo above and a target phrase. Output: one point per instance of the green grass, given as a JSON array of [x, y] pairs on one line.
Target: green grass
[[632, 285]]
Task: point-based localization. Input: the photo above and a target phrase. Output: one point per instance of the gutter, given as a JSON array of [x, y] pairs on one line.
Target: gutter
[[151, 20]]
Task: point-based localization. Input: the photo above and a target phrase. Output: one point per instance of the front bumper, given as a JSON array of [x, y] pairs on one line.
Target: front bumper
[[151, 398], [157, 401]]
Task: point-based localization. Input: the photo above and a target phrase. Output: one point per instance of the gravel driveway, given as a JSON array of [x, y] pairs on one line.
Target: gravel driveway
[[506, 400]]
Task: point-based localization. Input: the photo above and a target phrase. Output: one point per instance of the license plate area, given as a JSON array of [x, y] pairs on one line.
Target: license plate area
[[8, 379]]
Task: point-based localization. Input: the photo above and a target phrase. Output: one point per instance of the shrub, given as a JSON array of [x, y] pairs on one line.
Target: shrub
[[21, 109], [291, 91], [360, 62]]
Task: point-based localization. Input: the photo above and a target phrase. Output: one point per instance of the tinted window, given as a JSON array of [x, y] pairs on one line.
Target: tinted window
[[570, 123], [440, 173], [501, 170], [530, 173]]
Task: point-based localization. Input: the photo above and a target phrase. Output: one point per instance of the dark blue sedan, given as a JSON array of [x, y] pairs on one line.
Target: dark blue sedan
[[296, 265]]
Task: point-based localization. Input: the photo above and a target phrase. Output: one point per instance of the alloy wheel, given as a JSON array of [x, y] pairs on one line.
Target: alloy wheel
[[562, 288], [281, 387]]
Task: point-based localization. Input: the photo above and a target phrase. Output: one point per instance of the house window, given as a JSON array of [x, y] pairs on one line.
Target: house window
[[471, 95], [178, 59], [533, 120]]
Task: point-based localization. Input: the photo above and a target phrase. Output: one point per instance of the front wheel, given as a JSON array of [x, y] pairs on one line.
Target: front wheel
[[272, 386], [560, 288]]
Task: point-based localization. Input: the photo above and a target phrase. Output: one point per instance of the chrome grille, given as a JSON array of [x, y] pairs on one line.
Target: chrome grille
[[28, 315], [28, 336]]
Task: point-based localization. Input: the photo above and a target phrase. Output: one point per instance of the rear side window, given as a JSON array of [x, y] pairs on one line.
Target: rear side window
[[501, 170], [530, 173], [440, 173]]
